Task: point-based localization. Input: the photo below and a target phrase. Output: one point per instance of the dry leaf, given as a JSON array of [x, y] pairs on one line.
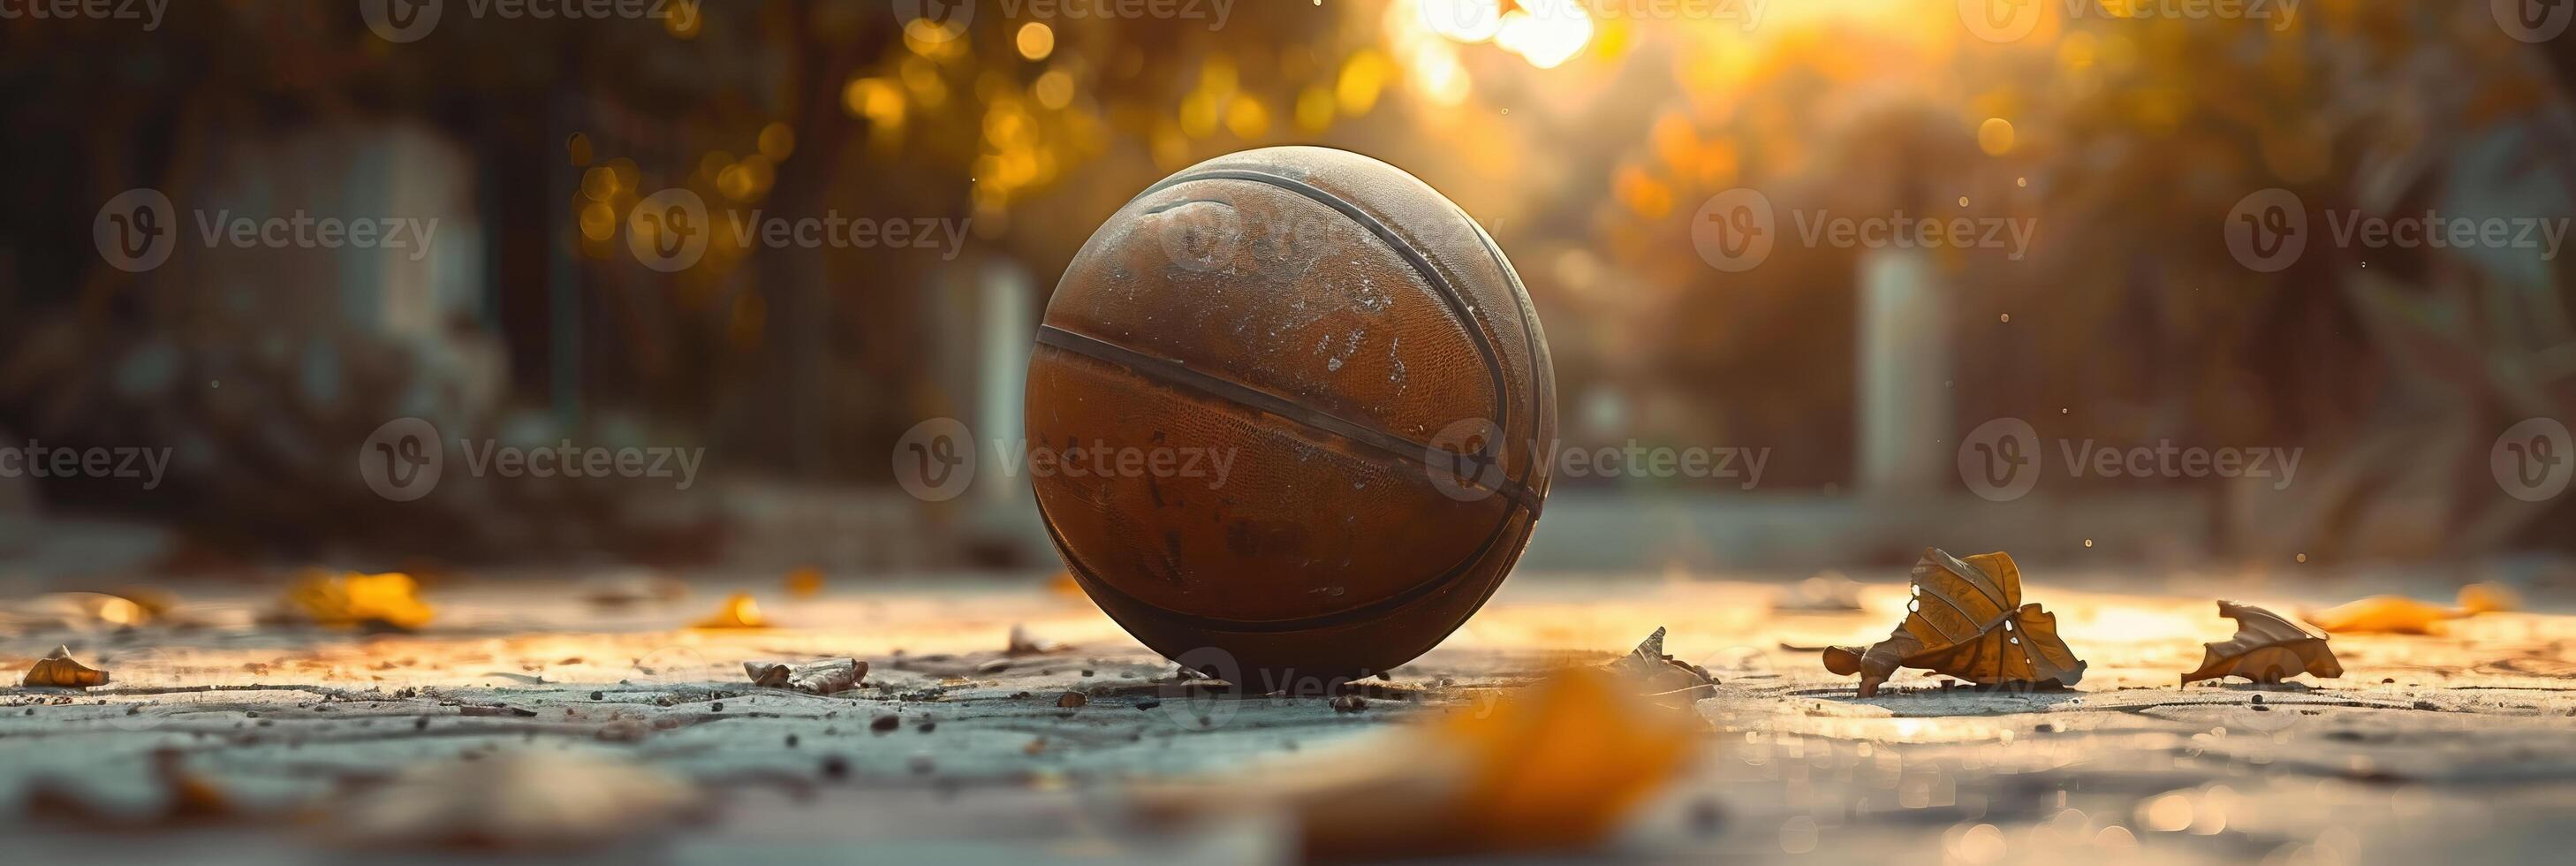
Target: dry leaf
[[1555, 766], [1965, 619], [821, 677], [1026, 643], [58, 670], [2267, 648], [521, 801], [739, 611], [805, 582], [353, 600], [1671, 682], [2397, 614]]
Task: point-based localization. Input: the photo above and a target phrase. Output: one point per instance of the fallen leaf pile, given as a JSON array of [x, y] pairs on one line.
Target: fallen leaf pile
[[353, 600], [58, 670], [1553, 767], [821, 677], [738, 611], [1670, 682], [2397, 614], [2267, 648], [1965, 619]]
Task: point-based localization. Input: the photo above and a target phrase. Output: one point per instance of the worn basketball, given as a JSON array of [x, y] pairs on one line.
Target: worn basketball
[[1357, 378]]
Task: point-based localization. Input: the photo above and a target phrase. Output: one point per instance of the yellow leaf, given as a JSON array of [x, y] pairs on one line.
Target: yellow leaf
[[2397, 614], [739, 611], [2267, 648], [350, 600], [1556, 766], [58, 670]]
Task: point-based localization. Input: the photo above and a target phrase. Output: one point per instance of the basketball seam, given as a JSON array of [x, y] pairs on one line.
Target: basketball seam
[[1542, 374], [1178, 375], [1421, 263]]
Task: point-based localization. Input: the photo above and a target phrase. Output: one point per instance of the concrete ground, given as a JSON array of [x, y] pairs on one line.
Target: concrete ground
[[301, 745]]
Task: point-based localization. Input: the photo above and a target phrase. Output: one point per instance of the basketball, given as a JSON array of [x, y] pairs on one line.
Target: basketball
[[1286, 417]]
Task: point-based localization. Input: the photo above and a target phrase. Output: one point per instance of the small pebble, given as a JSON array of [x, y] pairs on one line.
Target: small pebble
[[791, 741], [598, 695], [884, 724], [716, 707], [836, 767]]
